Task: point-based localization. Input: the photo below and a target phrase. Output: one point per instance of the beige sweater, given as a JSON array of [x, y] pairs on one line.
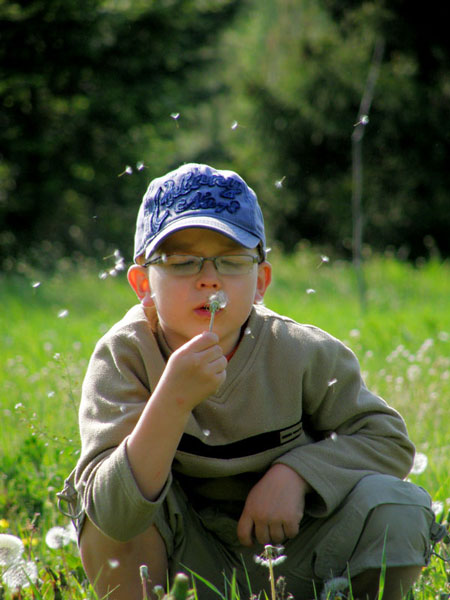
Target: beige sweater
[[293, 395]]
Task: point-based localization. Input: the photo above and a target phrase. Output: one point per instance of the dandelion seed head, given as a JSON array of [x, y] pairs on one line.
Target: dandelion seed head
[[420, 463], [437, 507], [413, 373], [11, 549], [57, 537], [63, 313], [20, 575], [217, 301]]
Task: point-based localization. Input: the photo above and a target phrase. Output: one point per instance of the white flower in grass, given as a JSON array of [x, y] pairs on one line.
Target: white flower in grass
[[437, 507], [420, 463], [20, 574], [58, 537], [272, 556], [11, 549]]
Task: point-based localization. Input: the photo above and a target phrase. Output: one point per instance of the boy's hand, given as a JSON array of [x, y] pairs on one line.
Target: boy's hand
[[195, 371], [274, 507]]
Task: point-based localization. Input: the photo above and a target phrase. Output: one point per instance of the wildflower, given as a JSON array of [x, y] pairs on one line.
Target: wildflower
[[334, 588], [57, 537], [420, 463], [20, 574], [437, 507], [11, 549], [216, 301], [4, 524], [271, 555]]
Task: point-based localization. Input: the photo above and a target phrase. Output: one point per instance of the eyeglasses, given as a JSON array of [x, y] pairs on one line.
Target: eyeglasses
[[182, 264]]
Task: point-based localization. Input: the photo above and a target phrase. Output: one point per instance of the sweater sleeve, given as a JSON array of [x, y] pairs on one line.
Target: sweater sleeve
[[356, 433], [115, 390]]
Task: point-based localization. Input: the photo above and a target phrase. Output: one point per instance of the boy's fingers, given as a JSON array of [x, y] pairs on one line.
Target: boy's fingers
[[245, 530]]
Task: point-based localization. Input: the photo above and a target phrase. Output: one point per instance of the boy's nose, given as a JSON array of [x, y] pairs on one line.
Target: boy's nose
[[208, 276]]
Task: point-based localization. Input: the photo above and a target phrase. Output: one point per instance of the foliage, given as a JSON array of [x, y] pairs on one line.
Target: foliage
[[297, 93], [87, 88], [401, 341]]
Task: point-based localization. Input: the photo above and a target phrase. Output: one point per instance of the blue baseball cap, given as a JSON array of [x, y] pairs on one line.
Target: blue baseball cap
[[196, 195]]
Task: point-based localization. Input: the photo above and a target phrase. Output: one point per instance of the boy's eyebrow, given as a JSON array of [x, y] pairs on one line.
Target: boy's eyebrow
[[191, 247]]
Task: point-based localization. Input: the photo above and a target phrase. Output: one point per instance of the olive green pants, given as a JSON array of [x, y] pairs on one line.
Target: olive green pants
[[383, 518]]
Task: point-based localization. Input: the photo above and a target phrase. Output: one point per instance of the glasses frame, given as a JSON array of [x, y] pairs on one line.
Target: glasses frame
[[200, 261]]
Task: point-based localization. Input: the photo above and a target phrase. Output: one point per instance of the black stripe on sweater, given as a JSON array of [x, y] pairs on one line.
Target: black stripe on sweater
[[247, 447]]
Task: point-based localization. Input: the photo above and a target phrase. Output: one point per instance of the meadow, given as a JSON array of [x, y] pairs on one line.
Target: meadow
[[49, 324]]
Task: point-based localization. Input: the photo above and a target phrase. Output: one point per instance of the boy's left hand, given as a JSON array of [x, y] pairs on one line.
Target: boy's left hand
[[274, 507]]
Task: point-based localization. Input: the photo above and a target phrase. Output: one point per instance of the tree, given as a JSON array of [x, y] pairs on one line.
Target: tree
[[87, 88], [299, 94]]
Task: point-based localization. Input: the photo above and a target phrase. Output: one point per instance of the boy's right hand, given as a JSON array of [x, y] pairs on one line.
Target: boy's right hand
[[194, 371]]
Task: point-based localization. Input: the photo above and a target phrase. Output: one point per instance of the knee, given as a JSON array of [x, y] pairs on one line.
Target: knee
[[399, 526]]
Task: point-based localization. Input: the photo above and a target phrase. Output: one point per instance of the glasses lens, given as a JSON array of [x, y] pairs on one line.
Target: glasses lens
[[178, 264], [234, 265]]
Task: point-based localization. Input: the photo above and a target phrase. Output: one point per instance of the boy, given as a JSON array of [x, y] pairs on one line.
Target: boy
[[200, 447]]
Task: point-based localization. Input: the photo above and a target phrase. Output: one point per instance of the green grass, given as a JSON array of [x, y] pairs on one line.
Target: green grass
[[402, 341]]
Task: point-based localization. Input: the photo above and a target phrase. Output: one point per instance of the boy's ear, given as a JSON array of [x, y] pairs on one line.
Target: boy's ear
[[138, 279], [263, 281]]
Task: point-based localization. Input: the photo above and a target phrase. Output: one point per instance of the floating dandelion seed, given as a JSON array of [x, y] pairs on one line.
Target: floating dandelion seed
[[35, 284], [279, 183], [103, 275], [420, 464], [247, 331], [310, 291], [113, 563], [140, 165], [20, 575], [206, 432], [362, 121], [58, 537], [50, 394], [333, 436], [128, 171], [11, 549], [216, 301], [332, 382], [63, 313], [234, 125], [175, 116]]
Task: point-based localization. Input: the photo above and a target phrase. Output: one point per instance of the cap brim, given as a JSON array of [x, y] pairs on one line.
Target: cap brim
[[242, 237]]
